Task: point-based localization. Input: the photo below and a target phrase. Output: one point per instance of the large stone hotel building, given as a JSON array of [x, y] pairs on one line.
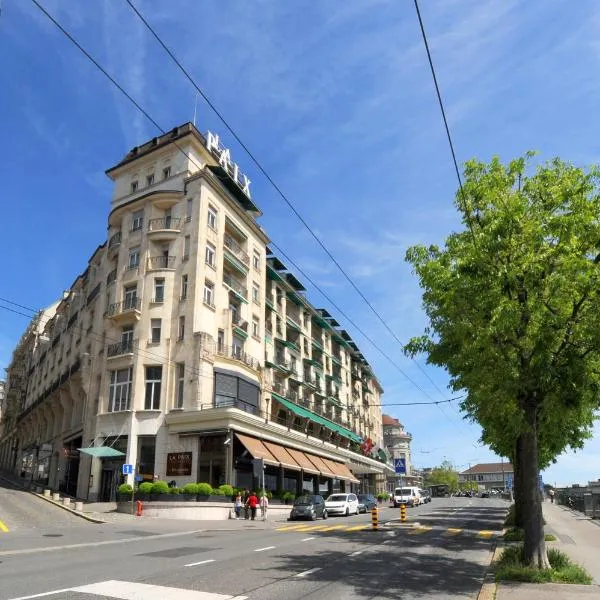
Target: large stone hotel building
[[187, 349]]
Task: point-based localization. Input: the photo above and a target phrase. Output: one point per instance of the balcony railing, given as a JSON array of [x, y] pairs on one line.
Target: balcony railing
[[120, 348], [235, 285], [111, 277], [231, 245], [121, 307], [114, 241], [236, 353], [161, 262], [236, 403], [317, 340], [171, 223], [293, 315]]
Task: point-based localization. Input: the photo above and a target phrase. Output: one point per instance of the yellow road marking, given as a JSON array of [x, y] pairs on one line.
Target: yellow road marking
[[359, 527], [291, 527], [3, 527], [453, 531], [419, 530], [332, 528], [485, 534]]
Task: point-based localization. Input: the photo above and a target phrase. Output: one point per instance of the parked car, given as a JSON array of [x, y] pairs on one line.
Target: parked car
[[411, 496], [342, 504], [308, 506], [425, 496], [366, 502]]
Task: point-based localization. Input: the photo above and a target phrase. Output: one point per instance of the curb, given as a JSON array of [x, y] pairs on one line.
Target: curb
[[74, 512], [489, 585]]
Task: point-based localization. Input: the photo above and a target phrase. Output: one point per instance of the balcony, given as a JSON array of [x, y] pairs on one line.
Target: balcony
[[317, 341], [128, 311], [111, 277], [236, 255], [166, 228], [240, 327], [114, 243], [236, 287], [120, 348], [238, 354], [158, 263]]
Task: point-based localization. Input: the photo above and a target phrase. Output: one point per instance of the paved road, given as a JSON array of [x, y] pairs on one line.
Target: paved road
[[445, 558]]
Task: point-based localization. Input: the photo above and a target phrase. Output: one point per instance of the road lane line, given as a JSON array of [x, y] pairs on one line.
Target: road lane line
[[265, 548], [333, 527], [3, 527], [307, 539], [290, 527], [486, 534], [43, 594], [453, 531], [305, 573], [359, 527], [356, 553], [202, 562]]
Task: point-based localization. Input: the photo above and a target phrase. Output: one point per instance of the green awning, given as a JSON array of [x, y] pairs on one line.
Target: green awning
[[273, 275], [295, 298], [289, 344], [334, 401], [315, 418], [293, 325], [102, 451]]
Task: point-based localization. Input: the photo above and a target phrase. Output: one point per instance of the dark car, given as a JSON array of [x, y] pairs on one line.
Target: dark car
[[366, 502], [308, 506], [425, 496]]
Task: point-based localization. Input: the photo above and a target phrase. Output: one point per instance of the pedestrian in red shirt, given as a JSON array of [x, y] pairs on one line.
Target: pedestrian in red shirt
[[252, 503]]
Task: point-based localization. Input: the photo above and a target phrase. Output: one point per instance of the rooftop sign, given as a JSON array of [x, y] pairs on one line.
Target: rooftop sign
[[223, 155]]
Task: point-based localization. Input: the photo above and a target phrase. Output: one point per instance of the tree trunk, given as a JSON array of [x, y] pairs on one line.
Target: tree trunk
[[534, 547], [518, 483]]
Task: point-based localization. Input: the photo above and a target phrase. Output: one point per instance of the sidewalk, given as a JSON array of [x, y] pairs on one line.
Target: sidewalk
[[579, 538]]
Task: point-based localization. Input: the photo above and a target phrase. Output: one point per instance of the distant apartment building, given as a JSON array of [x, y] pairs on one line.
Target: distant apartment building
[[489, 476], [397, 444], [187, 349]]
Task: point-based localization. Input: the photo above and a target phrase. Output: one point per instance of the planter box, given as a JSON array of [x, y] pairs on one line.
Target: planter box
[[220, 499]]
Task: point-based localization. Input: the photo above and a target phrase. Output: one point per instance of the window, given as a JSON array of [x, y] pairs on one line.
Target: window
[[153, 383], [137, 220], [181, 331], [130, 297], [134, 186], [188, 210], [119, 390], [150, 179], [166, 172], [210, 255], [180, 385], [155, 327], [256, 260], [127, 339], [212, 217], [255, 293], [159, 290], [134, 258], [255, 327], [209, 293], [231, 390], [184, 286], [186, 247], [221, 340]]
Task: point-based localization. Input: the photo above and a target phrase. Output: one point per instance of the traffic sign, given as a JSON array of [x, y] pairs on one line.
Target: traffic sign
[[400, 466], [139, 478], [127, 469], [509, 481]]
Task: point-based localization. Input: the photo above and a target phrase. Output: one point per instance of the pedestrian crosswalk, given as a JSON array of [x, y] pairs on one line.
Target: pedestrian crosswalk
[[129, 590]]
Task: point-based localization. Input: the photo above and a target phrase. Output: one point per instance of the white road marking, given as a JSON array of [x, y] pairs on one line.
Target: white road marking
[[307, 539], [305, 573], [265, 548], [202, 562], [356, 553], [42, 594]]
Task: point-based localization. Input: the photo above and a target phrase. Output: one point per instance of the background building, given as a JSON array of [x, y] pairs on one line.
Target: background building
[[489, 476], [187, 349], [397, 444]]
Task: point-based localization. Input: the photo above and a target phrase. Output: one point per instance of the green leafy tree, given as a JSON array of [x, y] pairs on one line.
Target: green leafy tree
[[512, 301], [445, 474]]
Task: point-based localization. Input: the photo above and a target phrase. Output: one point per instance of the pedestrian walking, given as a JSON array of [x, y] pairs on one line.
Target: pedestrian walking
[[252, 504], [245, 497], [551, 493], [237, 505], [264, 505]]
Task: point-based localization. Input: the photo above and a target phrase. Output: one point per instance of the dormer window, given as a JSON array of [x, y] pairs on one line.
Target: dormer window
[[134, 186], [150, 179]]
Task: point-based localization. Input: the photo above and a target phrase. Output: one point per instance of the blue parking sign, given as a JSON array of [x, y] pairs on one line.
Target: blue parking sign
[[127, 469]]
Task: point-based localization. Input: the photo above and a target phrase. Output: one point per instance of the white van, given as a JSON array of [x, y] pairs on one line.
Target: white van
[[411, 496]]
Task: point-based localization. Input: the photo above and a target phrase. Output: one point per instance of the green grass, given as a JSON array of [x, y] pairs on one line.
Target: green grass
[[510, 567], [515, 534]]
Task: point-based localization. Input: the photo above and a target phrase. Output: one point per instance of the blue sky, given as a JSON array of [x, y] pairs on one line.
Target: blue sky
[[336, 100]]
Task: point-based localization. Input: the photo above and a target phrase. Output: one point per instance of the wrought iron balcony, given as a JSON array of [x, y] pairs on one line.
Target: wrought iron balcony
[[115, 241], [161, 262], [235, 285], [164, 223], [231, 244], [236, 353], [120, 348], [128, 306]]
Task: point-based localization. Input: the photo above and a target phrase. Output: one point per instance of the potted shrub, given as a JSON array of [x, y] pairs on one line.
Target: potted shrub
[[175, 495], [125, 492], [204, 491], [288, 497], [144, 490], [160, 491], [190, 491], [223, 493]]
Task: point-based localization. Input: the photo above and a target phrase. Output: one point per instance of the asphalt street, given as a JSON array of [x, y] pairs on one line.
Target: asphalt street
[[445, 557]]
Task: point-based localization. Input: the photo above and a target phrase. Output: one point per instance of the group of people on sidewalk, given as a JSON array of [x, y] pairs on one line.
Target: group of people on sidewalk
[[249, 501]]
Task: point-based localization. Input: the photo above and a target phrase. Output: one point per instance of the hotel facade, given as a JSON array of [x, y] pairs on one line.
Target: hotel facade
[[189, 351]]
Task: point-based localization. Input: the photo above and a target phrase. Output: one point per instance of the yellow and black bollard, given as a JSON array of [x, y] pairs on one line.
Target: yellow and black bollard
[[403, 512], [374, 519]]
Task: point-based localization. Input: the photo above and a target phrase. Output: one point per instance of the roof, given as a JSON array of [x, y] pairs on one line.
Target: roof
[[489, 468], [387, 420]]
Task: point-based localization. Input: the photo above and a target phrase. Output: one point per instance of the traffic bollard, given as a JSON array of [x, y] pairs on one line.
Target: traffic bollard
[[374, 519], [403, 513], [140, 508]]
